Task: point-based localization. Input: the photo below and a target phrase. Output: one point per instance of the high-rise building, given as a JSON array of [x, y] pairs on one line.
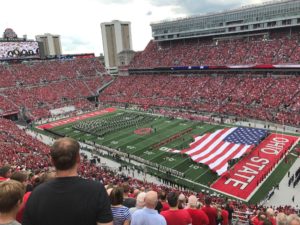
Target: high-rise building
[[50, 44], [116, 37]]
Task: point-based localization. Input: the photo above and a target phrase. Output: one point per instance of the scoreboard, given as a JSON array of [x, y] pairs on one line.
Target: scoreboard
[[19, 49]]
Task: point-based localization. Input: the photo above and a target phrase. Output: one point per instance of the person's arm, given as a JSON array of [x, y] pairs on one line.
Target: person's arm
[[126, 222], [104, 213], [27, 216]]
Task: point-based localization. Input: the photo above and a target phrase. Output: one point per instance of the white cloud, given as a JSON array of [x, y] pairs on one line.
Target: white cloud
[[78, 21]]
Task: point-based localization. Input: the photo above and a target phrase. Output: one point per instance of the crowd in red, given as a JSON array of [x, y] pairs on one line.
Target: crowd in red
[[277, 47], [41, 86], [269, 98], [26, 153]]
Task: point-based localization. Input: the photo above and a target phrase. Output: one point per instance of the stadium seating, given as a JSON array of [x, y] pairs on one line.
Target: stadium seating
[[37, 87], [274, 99], [277, 47], [24, 152]]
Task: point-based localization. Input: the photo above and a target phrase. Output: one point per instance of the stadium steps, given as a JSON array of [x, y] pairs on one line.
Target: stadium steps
[[92, 93], [104, 86]]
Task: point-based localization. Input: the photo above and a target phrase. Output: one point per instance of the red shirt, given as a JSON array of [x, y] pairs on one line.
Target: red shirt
[[212, 214], [19, 216], [165, 206], [273, 220], [198, 217], [3, 179], [224, 214], [256, 221], [177, 217]]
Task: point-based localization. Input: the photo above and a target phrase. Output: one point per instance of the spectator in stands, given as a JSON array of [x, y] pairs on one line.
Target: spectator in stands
[[181, 201], [22, 177], [140, 202], [65, 199], [259, 218], [11, 194], [163, 200], [128, 201], [121, 214], [225, 215], [219, 219], [293, 219], [148, 215], [281, 219], [175, 216], [230, 211], [5, 172], [270, 215], [210, 211], [198, 216]]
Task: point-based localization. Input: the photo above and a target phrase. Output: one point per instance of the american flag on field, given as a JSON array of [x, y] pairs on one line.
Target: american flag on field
[[217, 148]]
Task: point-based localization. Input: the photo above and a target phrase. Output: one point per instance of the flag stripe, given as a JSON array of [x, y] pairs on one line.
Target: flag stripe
[[196, 143], [225, 148], [210, 150], [223, 169], [203, 142], [214, 142], [233, 156], [227, 156], [217, 148], [201, 157], [213, 138]]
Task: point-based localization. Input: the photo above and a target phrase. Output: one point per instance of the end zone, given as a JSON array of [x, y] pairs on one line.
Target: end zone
[[76, 118], [246, 176]]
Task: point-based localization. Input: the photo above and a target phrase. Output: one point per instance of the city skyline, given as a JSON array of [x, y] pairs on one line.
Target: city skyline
[[78, 22]]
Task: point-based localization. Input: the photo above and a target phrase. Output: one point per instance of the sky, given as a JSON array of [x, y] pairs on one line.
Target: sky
[[78, 21]]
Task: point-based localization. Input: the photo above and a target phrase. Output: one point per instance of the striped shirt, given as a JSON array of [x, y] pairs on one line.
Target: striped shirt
[[120, 214]]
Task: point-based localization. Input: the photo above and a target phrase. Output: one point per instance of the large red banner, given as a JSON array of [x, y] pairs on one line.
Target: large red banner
[[242, 180], [76, 118]]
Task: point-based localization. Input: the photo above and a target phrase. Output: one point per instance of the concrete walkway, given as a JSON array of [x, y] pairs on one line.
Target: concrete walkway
[[284, 195]]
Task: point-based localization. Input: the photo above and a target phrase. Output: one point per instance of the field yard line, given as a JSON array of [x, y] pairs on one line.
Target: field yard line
[[133, 136], [182, 161], [155, 156], [113, 137], [201, 174], [150, 139]]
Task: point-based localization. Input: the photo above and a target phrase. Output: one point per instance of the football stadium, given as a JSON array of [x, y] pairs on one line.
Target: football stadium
[[210, 108]]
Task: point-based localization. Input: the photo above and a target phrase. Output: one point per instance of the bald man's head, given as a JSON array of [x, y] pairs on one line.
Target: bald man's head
[[270, 212], [65, 153], [151, 199]]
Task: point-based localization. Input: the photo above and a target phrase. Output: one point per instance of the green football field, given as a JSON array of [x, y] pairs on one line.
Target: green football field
[[120, 130], [141, 145]]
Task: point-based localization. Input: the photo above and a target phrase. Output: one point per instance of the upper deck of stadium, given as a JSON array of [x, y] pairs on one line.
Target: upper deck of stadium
[[265, 16]]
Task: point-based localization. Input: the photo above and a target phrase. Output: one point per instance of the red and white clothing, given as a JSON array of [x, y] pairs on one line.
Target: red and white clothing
[[177, 217], [212, 214], [199, 217]]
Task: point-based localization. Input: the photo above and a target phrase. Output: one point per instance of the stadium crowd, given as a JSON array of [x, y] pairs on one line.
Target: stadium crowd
[[40, 86], [23, 154], [278, 47], [274, 99]]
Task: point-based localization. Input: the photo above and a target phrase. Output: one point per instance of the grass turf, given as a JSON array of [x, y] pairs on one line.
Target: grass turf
[[127, 141]]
